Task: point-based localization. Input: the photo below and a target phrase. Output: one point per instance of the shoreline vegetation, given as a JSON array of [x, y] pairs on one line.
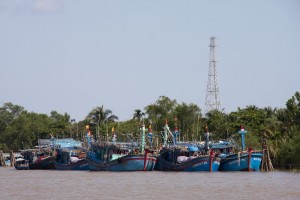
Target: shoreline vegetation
[[20, 129]]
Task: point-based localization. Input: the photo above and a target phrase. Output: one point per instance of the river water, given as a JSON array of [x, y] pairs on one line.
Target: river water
[[53, 184]]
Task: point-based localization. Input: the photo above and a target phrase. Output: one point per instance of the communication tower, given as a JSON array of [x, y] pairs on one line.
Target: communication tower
[[212, 101]]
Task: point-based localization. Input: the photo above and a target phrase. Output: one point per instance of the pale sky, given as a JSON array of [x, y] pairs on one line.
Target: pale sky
[[74, 55]]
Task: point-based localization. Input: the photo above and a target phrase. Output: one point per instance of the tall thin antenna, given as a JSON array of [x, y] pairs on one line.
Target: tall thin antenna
[[212, 101]]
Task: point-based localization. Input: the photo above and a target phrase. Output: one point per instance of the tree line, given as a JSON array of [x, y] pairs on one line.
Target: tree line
[[20, 129]]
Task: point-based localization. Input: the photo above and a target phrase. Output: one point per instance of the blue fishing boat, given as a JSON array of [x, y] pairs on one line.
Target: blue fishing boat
[[119, 160], [81, 164], [182, 160], [245, 160], [70, 155], [118, 157], [184, 156], [71, 159]]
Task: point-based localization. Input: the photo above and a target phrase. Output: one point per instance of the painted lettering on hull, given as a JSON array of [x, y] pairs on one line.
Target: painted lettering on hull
[[200, 164]]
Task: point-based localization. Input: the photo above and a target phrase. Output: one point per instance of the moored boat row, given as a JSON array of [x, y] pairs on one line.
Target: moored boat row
[[112, 156]]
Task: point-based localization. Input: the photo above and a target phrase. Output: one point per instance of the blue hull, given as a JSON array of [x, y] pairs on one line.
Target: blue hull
[[234, 163], [21, 165], [196, 164], [125, 163], [80, 165]]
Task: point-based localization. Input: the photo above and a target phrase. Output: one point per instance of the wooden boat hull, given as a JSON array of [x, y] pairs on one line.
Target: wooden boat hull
[[80, 165], [126, 163], [244, 162], [197, 164]]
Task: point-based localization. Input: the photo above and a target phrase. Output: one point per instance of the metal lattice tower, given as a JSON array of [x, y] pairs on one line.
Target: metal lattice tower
[[212, 101]]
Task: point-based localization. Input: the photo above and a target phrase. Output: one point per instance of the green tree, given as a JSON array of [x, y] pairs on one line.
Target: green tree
[[25, 130], [217, 123], [126, 130], [273, 129], [254, 119], [60, 124], [9, 112], [188, 118], [293, 109], [288, 153], [161, 110]]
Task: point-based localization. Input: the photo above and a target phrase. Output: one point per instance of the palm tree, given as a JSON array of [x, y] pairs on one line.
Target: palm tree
[[99, 116], [138, 114]]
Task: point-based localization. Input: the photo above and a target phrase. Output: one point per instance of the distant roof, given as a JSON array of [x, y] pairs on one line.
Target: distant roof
[[64, 143]]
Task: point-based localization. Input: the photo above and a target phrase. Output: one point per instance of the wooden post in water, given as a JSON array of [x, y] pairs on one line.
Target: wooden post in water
[[269, 161], [249, 159], [2, 160], [12, 158], [266, 163]]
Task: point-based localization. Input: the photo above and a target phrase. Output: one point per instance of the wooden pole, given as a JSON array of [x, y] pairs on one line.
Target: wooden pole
[[249, 159], [2, 160], [270, 162], [145, 160], [12, 158], [262, 168], [266, 164]]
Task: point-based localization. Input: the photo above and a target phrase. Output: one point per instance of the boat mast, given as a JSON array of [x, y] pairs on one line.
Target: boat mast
[[143, 130], [242, 132], [166, 133], [206, 136], [150, 135]]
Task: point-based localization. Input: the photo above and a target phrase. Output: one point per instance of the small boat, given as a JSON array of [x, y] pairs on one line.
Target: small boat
[[118, 157], [21, 164], [184, 156]]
